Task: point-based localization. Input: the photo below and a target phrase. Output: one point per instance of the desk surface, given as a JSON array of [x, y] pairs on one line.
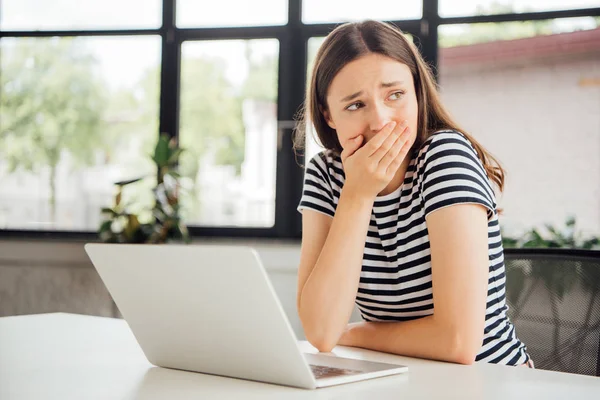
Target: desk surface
[[66, 356]]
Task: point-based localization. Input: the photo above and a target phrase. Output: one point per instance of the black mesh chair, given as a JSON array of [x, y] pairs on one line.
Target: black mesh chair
[[554, 302]]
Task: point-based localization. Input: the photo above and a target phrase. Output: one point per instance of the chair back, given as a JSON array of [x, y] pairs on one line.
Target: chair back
[[553, 297]]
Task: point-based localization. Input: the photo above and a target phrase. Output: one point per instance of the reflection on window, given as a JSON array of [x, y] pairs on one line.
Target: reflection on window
[[222, 13], [530, 93], [318, 11], [76, 115], [453, 8], [23, 15], [229, 128]]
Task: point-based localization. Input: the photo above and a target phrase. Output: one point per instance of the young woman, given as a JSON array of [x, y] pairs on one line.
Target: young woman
[[398, 212]]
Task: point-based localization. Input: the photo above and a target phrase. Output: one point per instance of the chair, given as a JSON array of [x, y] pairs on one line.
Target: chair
[[554, 302]]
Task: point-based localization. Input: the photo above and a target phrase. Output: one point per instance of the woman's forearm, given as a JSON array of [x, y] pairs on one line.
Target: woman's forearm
[[423, 338], [327, 298]]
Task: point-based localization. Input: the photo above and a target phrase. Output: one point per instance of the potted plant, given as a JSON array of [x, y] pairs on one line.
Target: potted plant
[[120, 225]]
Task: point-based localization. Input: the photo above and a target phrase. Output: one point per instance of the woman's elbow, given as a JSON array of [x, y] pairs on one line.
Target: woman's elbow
[[319, 336], [465, 357], [464, 348], [321, 339], [322, 342]]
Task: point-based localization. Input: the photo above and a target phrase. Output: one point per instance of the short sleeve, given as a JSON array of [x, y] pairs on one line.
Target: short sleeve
[[317, 194], [454, 174]]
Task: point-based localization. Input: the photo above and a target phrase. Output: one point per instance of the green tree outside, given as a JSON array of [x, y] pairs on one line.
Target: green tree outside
[[494, 31], [51, 105], [211, 119]]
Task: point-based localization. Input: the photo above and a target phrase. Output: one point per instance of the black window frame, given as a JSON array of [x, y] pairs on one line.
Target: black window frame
[[293, 49]]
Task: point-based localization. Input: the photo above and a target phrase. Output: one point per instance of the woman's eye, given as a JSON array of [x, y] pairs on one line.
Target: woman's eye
[[353, 107], [396, 95]]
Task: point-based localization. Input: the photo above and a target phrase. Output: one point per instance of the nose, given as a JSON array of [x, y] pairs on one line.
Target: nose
[[379, 116]]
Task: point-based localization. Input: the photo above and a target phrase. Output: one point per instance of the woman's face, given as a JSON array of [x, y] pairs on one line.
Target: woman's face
[[368, 93]]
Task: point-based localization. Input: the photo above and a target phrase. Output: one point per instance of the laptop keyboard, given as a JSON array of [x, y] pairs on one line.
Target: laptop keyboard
[[321, 371]]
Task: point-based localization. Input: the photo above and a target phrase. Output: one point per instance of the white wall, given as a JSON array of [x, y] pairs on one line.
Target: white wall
[[542, 120]]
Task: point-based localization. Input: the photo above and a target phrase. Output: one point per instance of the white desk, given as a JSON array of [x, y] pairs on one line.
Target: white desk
[[66, 356]]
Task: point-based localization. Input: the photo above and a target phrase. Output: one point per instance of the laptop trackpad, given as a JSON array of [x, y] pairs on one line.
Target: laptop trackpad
[[349, 365]]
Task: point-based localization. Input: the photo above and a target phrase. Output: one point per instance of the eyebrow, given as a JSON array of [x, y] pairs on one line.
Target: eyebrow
[[383, 85]]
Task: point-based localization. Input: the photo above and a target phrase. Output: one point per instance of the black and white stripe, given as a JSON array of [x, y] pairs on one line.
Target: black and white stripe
[[395, 282]]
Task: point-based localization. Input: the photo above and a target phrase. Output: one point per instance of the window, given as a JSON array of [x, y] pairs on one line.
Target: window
[[317, 11], [76, 115], [30, 15], [529, 92], [86, 87], [453, 8], [229, 128], [465, 34], [223, 13]]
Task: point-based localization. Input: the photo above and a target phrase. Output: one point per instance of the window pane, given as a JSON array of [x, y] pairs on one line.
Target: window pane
[[317, 11], [229, 128], [76, 115], [530, 93], [25, 15], [209, 13], [453, 8], [465, 34]]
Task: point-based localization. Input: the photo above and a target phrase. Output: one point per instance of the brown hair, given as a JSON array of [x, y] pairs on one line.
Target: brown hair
[[353, 40]]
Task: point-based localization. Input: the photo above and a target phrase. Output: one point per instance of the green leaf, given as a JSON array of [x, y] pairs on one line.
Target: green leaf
[[553, 231], [174, 157], [110, 211], [104, 226], [590, 243], [129, 181], [174, 174], [132, 226], [509, 242], [161, 151], [536, 236]]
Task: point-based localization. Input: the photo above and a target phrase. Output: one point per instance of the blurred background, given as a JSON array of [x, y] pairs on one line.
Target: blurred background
[[86, 88]]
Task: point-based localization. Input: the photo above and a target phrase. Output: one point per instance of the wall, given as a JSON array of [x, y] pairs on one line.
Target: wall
[[46, 276], [540, 118]]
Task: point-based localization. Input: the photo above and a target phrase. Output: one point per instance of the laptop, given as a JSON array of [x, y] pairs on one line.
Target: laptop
[[212, 309]]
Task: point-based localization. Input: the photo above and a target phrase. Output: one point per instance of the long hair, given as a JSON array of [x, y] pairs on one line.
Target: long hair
[[351, 41]]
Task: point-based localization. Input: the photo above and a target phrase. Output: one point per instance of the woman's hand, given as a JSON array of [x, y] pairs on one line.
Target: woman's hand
[[369, 169]]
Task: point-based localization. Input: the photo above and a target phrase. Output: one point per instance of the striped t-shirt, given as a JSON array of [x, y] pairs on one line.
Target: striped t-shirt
[[395, 281]]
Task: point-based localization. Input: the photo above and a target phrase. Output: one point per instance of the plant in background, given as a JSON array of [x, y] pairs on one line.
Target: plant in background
[[123, 226], [559, 280], [568, 237]]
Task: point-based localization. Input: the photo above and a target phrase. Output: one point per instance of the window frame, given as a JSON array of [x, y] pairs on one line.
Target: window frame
[[293, 48]]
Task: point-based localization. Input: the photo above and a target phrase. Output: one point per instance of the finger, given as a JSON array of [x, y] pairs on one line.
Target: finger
[[375, 143], [351, 146], [396, 148], [388, 143], [396, 161]]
